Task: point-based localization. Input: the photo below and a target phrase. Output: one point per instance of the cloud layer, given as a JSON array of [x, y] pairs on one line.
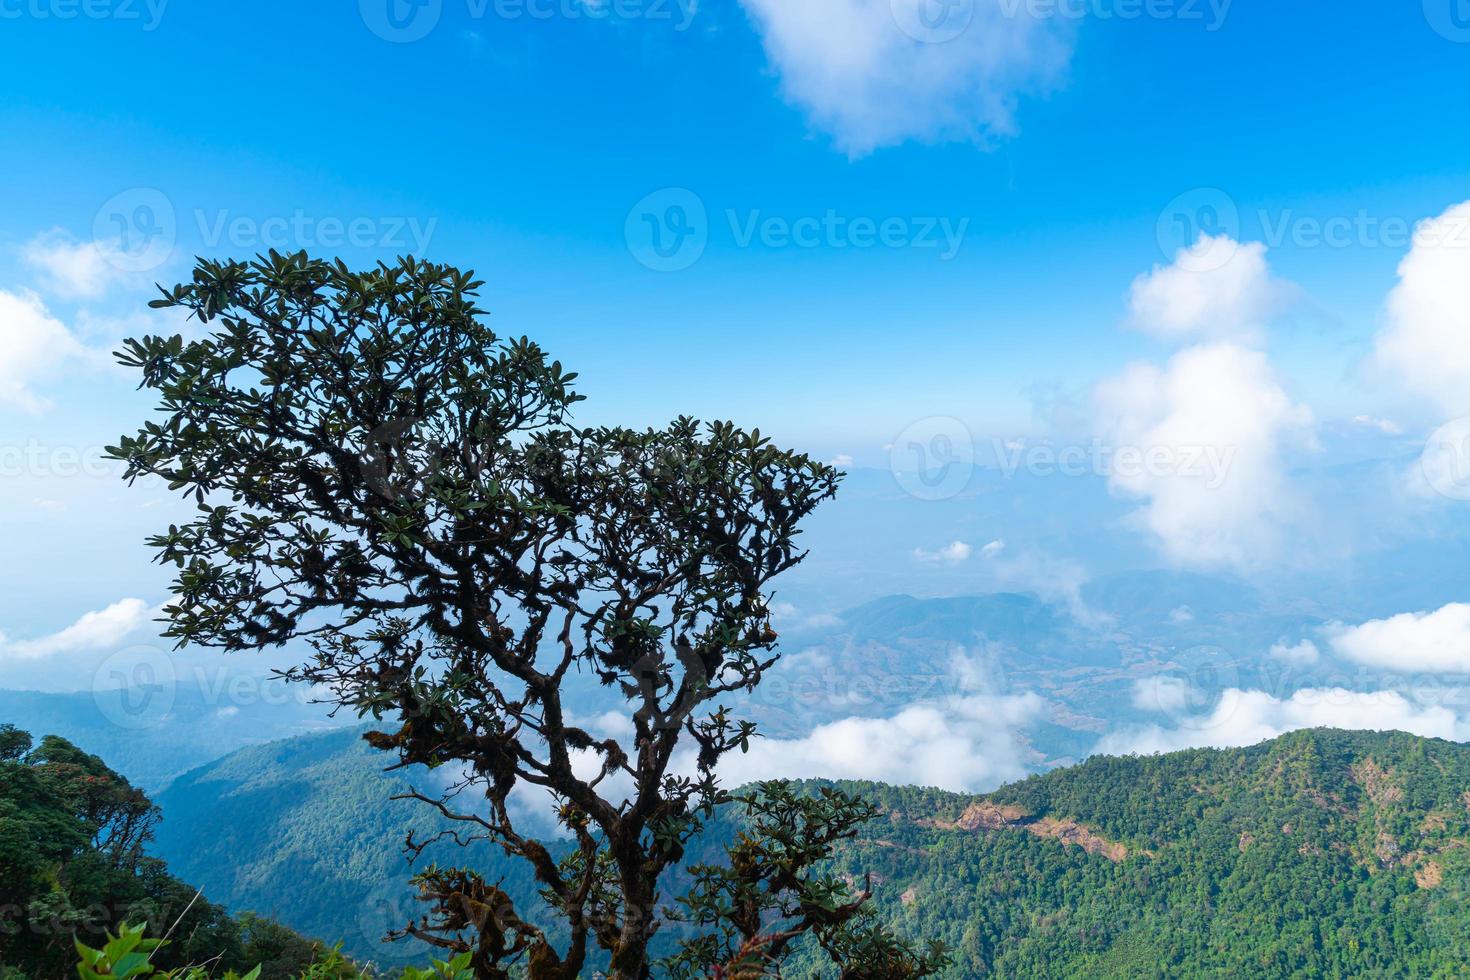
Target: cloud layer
[[1426, 343], [874, 73], [1207, 433], [95, 630], [1429, 641], [34, 345], [1219, 289], [1247, 717], [961, 743]]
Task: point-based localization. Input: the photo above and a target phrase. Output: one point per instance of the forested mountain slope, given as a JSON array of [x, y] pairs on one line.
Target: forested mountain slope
[[1322, 853]]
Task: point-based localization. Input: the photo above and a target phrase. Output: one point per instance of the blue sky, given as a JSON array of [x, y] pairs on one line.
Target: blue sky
[[1029, 169], [526, 141]]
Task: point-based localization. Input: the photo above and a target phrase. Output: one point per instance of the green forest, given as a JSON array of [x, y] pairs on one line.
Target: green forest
[[1322, 853], [74, 868]]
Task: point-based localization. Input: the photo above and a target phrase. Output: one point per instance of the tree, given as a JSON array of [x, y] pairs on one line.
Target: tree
[[380, 476]]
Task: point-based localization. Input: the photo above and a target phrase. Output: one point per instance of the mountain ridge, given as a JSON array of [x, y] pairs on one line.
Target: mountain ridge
[[1347, 851]]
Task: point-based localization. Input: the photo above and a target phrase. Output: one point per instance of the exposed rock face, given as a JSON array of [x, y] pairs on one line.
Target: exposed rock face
[[984, 816], [1070, 832], [1429, 874], [1378, 783], [987, 816]]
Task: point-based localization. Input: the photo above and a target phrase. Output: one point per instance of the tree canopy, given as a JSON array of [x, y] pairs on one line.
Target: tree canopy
[[382, 477]]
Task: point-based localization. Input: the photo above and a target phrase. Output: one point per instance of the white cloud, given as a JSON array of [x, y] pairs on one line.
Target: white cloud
[[960, 743], [953, 553], [1203, 441], [878, 72], [1162, 693], [1438, 640], [1426, 342], [1218, 289], [1301, 654], [34, 345], [73, 269], [1386, 426], [94, 630], [993, 549], [1181, 615], [841, 461], [1248, 717]]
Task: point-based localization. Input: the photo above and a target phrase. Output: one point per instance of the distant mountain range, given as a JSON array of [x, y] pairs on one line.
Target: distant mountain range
[[153, 735], [1321, 853], [1083, 657]]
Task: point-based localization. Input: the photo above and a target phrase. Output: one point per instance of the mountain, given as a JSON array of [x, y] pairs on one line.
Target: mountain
[[73, 866], [155, 734], [303, 830], [1321, 853]]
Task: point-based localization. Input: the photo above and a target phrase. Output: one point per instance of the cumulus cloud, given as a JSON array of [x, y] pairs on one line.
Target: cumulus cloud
[[34, 345], [1387, 427], [960, 743], [875, 73], [1434, 641], [1248, 717], [1162, 693], [993, 549], [1426, 340], [1301, 654], [93, 631], [1202, 440], [74, 269], [953, 553], [1218, 289]]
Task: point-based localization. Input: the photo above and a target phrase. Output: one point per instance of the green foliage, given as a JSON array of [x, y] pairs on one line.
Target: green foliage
[[773, 894], [128, 954], [379, 476], [1321, 854], [73, 871], [1211, 885], [455, 969]]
